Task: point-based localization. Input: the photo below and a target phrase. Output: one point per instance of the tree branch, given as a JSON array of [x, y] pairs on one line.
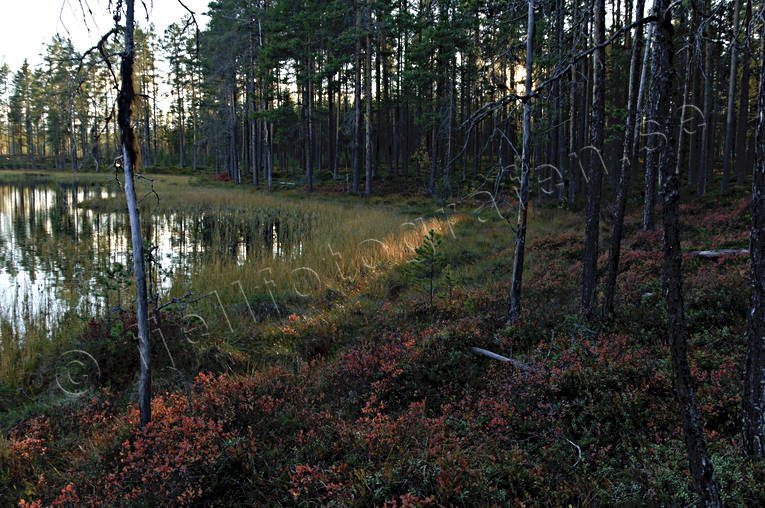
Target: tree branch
[[515, 363]]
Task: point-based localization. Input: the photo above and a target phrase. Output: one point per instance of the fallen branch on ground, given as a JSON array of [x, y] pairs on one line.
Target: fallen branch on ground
[[714, 254], [495, 356]]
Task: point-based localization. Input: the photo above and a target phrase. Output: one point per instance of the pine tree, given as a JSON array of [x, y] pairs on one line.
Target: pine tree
[[662, 74], [18, 111], [427, 264], [4, 143], [754, 375]]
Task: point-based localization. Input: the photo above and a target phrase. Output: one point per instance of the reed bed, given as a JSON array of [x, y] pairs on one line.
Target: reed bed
[[266, 256], [323, 250]]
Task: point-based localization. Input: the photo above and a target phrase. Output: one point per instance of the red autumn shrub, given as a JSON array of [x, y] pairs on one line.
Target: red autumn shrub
[[393, 408]]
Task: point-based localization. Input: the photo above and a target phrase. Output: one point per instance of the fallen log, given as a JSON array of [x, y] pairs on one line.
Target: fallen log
[[714, 254], [495, 356]]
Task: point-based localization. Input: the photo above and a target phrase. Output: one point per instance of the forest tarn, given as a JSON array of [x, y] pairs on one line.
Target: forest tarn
[[577, 318]]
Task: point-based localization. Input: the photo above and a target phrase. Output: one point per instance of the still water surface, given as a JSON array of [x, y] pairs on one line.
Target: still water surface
[[54, 252]]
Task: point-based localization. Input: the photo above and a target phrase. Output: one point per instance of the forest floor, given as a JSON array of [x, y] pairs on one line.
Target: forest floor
[[385, 402]]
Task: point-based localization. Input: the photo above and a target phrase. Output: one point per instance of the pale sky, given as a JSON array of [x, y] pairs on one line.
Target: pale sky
[[27, 25]]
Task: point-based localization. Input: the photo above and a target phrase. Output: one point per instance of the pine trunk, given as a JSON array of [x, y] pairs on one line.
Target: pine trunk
[[625, 171], [595, 174], [742, 155], [368, 104], [701, 178], [754, 375], [356, 165], [662, 74], [731, 114]]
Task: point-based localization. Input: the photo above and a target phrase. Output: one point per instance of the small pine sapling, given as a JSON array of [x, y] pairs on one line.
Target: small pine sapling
[[115, 278], [427, 263], [450, 281]]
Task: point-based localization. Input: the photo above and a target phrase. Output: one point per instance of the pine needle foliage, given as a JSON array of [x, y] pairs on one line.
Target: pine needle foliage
[[426, 264]]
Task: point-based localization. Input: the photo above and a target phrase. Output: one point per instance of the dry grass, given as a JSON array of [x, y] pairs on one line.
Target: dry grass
[[338, 248]]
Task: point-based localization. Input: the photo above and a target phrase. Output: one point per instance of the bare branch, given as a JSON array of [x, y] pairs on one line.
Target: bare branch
[[515, 363]]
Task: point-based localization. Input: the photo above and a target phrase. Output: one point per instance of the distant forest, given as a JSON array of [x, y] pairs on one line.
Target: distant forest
[[363, 91], [521, 104]]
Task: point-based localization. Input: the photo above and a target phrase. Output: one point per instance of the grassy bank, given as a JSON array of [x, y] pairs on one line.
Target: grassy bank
[[333, 249], [383, 401]]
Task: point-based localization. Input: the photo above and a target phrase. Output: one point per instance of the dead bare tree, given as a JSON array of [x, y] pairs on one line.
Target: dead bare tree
[[520, 233], [125, 104]]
